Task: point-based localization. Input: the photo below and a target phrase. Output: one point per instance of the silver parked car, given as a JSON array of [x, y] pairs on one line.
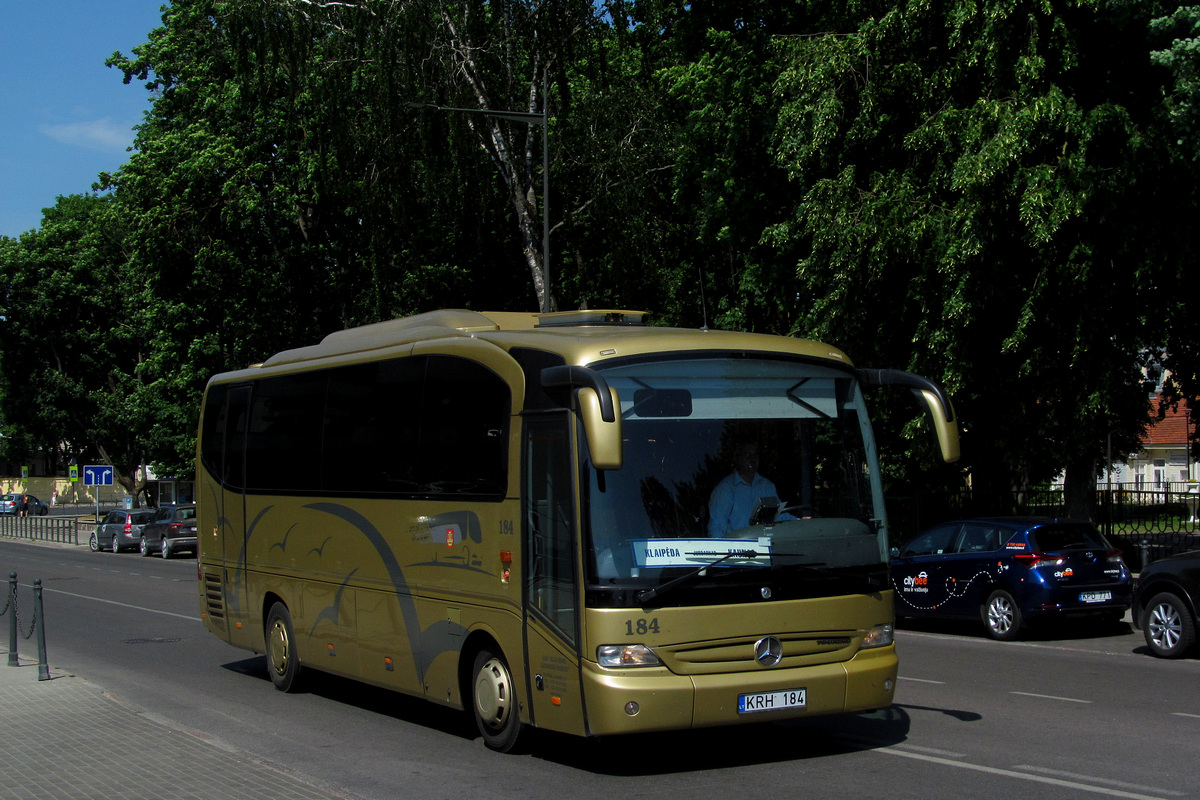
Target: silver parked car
[[11, 504], [121, 529]]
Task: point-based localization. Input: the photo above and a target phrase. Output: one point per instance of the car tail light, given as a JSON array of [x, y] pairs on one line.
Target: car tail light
[[174, 527], [1037, 559], [1115, 556], [129, 525]]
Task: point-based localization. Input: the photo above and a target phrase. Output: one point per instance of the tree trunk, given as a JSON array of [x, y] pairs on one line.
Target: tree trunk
[[1079, 489]]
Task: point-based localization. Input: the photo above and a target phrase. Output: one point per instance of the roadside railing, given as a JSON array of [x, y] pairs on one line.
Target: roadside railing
[[36, 624], [64, 530], [1145, 523]]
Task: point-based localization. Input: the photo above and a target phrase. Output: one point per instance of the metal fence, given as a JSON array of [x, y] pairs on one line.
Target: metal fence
[[1146, 523], [64, 530]]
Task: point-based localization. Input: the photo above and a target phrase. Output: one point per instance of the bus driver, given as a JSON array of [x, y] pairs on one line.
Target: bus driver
[[735, 497]]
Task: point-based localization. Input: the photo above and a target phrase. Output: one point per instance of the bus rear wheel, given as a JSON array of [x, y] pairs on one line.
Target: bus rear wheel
[[282, 661], [495, 702]]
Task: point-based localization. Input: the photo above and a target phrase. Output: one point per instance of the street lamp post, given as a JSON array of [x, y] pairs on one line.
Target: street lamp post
[[532, 119]]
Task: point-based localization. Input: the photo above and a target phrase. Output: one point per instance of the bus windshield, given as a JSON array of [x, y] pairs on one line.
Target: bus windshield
[[742, 479]]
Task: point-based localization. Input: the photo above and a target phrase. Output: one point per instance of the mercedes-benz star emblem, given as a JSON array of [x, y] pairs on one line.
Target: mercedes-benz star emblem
[[768, 651]]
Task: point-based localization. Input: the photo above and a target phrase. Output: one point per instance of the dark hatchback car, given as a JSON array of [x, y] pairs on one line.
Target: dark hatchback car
[[171, 531], [1165, 600], [1009, 571]]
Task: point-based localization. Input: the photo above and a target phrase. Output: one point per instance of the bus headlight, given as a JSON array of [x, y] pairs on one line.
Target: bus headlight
[[626, 655], [879, 636]]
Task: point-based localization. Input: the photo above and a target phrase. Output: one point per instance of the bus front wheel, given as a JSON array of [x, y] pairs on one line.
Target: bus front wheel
[[495, 702], [282, 661]]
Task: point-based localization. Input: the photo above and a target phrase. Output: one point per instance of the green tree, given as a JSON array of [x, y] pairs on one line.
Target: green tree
[[75, 339], [1176, 37], [987, 194]]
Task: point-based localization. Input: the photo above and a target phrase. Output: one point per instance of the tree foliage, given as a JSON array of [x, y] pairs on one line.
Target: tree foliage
[[997, 195], [75, 340], [969, 177]]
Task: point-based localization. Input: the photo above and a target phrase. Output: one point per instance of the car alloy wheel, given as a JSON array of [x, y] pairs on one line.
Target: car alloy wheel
[[1001, 616], [1169, 629]]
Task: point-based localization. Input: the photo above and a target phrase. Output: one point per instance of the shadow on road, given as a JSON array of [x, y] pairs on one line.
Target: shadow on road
[[648, 754]]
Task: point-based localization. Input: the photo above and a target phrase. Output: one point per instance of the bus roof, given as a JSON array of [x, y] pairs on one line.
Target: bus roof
[[580, 337]]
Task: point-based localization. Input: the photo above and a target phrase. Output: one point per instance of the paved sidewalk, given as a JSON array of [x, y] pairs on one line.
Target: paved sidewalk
[[67, 738]]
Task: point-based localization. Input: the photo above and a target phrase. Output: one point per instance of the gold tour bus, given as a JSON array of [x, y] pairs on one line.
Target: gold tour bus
[[572, 520]]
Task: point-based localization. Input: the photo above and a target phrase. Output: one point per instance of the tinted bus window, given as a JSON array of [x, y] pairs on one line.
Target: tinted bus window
[[286, 421], [371, 427], [464, 429], [212, 435]]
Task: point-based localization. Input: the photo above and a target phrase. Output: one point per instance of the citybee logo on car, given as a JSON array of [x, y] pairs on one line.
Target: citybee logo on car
[[916, 583], [1064, 573]]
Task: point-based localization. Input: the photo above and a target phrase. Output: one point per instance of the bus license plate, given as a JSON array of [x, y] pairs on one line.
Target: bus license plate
[[1094, 597], [772, 701]]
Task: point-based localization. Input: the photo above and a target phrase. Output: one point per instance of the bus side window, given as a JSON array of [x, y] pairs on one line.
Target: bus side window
[[464, 428]]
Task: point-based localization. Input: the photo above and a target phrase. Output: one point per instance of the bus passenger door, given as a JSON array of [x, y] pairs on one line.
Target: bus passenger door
[[551, 585]]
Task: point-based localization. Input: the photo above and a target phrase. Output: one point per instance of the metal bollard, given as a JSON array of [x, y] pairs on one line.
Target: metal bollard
[[12, 620], [43, 664], [1144, 547]]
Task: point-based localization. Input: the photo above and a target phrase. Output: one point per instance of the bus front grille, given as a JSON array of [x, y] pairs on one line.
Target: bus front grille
[[799, 650]]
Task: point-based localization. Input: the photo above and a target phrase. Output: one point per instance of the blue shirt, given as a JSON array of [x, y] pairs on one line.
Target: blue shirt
[[731, 503]]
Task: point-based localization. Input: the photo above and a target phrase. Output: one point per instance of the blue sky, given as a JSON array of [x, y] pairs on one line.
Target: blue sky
[[66, 116]]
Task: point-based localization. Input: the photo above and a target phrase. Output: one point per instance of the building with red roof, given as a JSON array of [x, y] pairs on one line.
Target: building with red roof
[[1165, 460]]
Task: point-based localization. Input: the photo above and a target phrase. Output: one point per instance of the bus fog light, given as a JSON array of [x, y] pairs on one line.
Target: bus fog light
[[887, 685], [626, 655], [632, 708], [879, 636]]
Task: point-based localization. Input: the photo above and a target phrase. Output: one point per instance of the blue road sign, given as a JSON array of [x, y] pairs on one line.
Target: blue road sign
[[97, 475]]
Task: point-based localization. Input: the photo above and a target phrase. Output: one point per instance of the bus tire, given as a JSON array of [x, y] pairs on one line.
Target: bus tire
[[283, 663], [494, 701]]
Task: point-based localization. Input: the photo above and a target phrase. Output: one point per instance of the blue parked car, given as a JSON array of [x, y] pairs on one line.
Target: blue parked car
[[1008, 571]]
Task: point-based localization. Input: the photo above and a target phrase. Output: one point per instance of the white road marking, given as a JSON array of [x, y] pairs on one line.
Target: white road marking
[[1025, 776], [122, 605], [1094, 779], [1052, 697]]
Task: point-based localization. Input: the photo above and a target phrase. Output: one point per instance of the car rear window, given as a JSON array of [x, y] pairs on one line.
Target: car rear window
[[187, 513], [1066, 537]]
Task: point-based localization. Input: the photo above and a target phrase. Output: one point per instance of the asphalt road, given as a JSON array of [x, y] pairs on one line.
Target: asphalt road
[[1063, 714]]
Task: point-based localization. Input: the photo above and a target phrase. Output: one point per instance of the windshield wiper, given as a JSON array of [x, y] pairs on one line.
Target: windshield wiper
[[646, 595]]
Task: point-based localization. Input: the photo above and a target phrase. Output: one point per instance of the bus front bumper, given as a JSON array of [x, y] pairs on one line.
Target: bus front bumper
[[654, 699]]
